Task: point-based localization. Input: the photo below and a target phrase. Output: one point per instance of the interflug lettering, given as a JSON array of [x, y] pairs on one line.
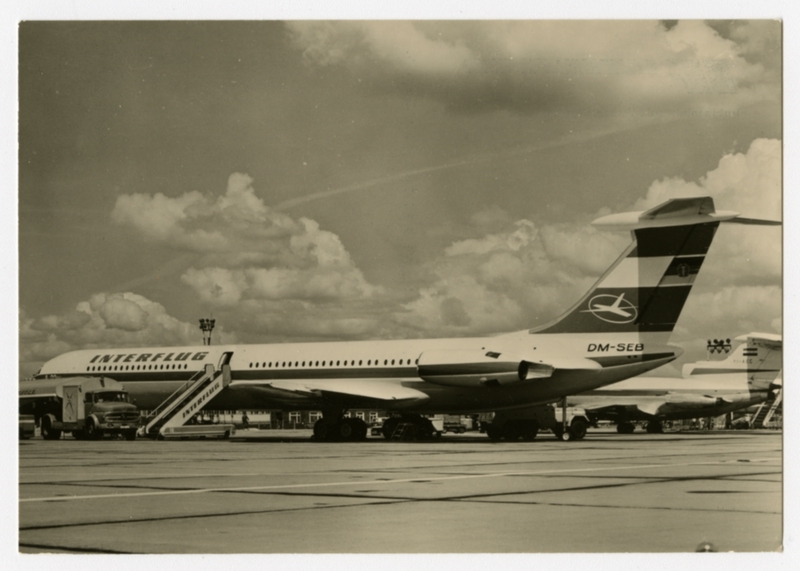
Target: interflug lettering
[[149, 357]]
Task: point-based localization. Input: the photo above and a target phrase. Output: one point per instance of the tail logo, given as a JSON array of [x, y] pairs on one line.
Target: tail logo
[[619, 310]]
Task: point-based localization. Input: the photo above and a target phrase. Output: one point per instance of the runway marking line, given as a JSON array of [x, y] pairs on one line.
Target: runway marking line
[[365, 482]]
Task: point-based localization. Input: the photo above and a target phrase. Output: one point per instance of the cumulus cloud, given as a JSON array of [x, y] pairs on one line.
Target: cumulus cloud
[[250, 251], [525, 66], [106, 320], [748, 183], [506, 280], [734, 310]]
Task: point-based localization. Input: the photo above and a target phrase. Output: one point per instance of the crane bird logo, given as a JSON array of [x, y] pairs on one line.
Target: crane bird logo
[[611, 308]]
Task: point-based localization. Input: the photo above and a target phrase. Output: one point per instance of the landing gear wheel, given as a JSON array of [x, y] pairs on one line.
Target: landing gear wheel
[[131, 434], [578, 429], [493, 433], [321, 429], [625, 428], [345, 430], [654, 427], [48, 432], [566, 435], [361, 429]]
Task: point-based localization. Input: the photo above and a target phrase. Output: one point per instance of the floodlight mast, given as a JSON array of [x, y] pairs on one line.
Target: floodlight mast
[[207, 326]]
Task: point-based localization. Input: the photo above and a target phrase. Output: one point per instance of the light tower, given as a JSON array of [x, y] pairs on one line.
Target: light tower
[[207, 326]]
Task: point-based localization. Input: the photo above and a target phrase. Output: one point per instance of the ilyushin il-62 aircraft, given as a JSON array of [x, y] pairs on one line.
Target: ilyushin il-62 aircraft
[[748, 376], [619, 329]]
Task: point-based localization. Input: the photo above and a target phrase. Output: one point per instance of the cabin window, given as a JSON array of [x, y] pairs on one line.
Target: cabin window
[[359, 363], [385, 362]]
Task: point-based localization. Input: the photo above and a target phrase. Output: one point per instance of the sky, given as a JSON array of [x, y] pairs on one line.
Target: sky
[[339, 180]]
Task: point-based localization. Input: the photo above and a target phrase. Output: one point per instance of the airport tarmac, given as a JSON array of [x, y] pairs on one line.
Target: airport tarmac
[[279, 492]]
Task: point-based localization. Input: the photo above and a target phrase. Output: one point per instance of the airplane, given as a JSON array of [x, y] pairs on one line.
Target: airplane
[[750, 375], [619, 329]]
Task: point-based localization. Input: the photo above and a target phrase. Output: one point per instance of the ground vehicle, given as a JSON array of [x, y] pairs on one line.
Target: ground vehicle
[[567, 424], [452, 423], [89, 407]]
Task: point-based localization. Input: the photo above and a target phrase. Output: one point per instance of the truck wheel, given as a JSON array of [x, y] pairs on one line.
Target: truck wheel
[[492, 432], [48, 432], [130, 435], [578, 429], [558, 431], [92, 432]]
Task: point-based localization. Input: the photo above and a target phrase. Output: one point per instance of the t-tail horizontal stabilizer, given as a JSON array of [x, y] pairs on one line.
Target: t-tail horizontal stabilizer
[[677, 212]]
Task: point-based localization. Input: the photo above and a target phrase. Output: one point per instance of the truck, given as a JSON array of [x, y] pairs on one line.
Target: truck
[[525, 423], [452, 423], [89, 407]]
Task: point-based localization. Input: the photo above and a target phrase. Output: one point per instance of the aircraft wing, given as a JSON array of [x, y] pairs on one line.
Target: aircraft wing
[[376, 389], [649, 405], [645, 405]]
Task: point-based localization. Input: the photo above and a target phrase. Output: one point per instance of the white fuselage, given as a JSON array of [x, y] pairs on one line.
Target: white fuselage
[[152, 374]]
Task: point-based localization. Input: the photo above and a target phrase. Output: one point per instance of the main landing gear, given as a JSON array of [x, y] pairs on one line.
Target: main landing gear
[[626, 427], [340, 429], [409, 427], [514, 429], [654, 427]]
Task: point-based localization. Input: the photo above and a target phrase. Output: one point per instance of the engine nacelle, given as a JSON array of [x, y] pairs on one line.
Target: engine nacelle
[[460, 368]]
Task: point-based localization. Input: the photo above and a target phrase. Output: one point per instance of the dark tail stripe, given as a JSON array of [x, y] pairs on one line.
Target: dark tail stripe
[[674, 240]]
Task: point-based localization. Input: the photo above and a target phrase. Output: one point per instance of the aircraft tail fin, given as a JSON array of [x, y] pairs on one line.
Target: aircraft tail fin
[[646, 288], [759, 356]]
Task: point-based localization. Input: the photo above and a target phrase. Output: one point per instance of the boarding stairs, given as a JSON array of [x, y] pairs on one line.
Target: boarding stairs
[[188, 400], [764, 413]]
